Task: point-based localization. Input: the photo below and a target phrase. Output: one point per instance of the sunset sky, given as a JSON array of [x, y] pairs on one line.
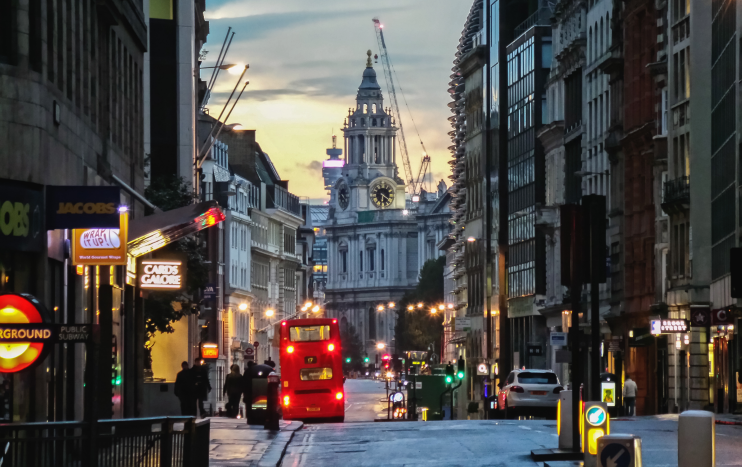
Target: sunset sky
[[306, 59]]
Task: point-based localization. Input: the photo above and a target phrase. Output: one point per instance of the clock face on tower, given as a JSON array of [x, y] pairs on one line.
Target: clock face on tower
[[382, 195], [343, 196]]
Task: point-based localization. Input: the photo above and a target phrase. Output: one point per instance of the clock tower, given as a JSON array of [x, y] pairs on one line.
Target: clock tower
[[369, 178]]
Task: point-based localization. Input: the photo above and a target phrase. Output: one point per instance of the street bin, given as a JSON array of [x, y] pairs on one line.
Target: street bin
[[257, 409], [610, 388], [619, 450]]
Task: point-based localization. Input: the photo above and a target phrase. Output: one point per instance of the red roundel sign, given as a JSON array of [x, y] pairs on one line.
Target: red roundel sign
[[16, 355]]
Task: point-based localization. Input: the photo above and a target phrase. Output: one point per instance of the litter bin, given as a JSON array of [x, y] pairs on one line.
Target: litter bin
[[256, 411]]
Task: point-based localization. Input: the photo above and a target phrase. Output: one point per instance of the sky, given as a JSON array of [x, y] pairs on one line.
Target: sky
[[306, 58]]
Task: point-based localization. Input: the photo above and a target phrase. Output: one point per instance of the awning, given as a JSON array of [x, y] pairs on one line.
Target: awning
[[157, 230]]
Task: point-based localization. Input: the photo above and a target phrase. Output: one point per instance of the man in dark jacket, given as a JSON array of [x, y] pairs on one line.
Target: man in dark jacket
[[185, 390], [203, 387], [233, 391]]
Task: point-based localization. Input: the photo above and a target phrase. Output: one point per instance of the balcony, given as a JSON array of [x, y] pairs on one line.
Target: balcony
[[676, 195], [280, 198]]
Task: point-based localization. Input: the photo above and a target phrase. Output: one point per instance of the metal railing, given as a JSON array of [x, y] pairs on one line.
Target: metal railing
[[282, 199], [677, 190], [142, 442]]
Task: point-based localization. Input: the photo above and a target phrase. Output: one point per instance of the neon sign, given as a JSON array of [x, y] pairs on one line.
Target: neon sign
[[157, 274]]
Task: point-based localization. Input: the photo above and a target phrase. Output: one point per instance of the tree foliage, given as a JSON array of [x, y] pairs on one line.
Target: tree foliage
[[418, 329], [352, 347], [161, 309]]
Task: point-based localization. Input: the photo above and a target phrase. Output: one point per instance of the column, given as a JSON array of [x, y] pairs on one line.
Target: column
[[345, 141], [394, 149]]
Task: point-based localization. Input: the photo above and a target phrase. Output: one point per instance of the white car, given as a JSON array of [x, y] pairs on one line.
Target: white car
[[530, 392]]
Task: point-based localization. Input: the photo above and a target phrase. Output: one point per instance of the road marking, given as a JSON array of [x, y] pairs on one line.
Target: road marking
[[523, 427]]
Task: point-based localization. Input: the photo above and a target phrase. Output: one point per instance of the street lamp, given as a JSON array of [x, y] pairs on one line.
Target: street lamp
[[434, 310], [410, 308], [243, 306], [380, 308], [308, 304], [315, 309], [441, 307], [380, 346], [420, 305], [450, 306], [269, 312], [392, 305], [471, 239]]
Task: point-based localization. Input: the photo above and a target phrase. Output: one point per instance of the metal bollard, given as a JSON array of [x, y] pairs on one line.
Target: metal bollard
[[271, 413], [619, 450], [564, 420], [595, 424], [696, 437]]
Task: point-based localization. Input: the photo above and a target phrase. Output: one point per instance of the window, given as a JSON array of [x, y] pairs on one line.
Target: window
[[360, 265], [371, 323], [537, 378], [382, 259], [315, 374], [371, 258], [344, 260], [309, 333]]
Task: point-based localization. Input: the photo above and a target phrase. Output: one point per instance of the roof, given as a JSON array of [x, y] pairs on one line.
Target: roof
[[319, 213]]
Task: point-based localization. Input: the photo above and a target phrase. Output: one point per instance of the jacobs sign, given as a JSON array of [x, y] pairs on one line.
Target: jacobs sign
[[161, 274]]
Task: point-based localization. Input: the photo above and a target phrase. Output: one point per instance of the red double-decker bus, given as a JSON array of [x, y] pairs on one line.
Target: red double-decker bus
[[311, 370]]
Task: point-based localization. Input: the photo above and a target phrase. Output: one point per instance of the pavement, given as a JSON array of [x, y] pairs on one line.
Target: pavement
[[361, 442], [235, 443]]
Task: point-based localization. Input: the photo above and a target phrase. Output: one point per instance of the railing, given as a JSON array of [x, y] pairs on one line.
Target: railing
[[143, 442], [677, 190], [542, 17], [282, 199]]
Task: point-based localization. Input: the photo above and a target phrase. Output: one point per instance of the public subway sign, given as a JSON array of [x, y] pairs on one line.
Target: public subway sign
[[101, 247], [161, 274], [46, 333], [669, 326]]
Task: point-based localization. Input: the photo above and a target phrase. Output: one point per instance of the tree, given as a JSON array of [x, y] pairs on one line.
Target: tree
[[419, 328], [352, 347]]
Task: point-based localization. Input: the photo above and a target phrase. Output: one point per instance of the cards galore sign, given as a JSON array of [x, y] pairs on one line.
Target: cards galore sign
[[161, 274]]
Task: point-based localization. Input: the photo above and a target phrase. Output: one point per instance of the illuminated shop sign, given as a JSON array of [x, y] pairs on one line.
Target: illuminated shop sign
[[669, 326], [101, 246], [161, 274], [21, 217], [75, 207], [209, 350]]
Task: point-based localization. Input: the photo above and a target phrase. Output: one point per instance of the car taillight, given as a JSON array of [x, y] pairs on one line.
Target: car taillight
[[290, 349], [339, 396], [331, 347], [517, 389], [558, 389], [286, 401]]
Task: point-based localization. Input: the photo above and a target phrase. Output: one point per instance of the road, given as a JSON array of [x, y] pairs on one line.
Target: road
[[363, 400], [362, 442]]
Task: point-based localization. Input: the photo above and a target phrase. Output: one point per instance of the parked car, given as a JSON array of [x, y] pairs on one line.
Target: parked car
[[530, 392]]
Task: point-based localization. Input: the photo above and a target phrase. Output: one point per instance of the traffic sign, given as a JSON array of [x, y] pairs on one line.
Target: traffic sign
[[595, 415], [615, 455], [256, 344]]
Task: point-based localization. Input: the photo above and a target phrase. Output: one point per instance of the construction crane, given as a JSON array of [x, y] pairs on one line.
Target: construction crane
[[414, 184]]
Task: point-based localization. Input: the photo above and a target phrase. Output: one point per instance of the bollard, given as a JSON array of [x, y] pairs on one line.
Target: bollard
[[271, 413], [564, 420], [619, 450], [595, 423], [696, 437]]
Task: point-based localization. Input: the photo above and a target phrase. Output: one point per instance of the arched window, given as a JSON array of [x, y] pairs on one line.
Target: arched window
[[373, 122], [382, 259], [365, 108], [607, 31], [373, 108], [600, 49], [371, 323]]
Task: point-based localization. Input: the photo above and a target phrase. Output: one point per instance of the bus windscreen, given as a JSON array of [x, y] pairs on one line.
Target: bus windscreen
[[309, 333]]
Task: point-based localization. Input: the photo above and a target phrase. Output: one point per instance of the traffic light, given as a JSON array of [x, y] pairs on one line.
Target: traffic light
[[461, 368], [347, 360], [449, 374], [365, 359]]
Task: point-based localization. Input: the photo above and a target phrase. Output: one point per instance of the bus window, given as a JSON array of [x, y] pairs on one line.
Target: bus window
[[315, 374], [309, 333]]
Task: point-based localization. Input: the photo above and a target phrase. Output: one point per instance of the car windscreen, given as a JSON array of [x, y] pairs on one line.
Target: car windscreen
[[315, 374], [309, 333], [537, 378]]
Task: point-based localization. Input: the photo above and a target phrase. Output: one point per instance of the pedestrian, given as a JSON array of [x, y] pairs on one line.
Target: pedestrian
[[629, 396], [185, 390], [247, 389], [233, 391], [270, 363], [203, 387]]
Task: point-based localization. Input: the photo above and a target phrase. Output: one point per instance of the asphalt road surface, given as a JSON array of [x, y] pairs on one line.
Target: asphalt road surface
[[469, 443]]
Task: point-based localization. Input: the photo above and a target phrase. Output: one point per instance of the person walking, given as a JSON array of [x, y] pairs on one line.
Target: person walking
[[203, 387], [185, 390], [233, 391], [629, 396]]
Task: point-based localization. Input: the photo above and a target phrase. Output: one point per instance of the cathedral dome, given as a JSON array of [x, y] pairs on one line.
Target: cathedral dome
[[369, 76]]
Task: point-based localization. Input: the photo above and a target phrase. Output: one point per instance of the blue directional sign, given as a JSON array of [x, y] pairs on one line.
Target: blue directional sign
[[596, 416], [615, 455]]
